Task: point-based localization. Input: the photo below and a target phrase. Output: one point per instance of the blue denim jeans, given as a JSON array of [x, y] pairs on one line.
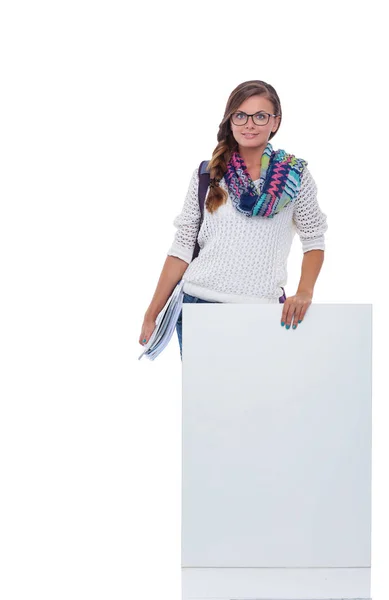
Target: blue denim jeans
[[193, 299]]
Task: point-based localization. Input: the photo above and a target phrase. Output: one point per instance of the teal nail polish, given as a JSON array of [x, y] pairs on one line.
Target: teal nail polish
[[300, 321], [287, 326], [294, 326], [282, 323]]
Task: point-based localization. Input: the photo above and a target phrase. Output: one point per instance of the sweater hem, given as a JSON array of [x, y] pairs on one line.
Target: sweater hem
[[213, 296]]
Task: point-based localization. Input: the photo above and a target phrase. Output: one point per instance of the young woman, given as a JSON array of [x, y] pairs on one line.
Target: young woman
[[257, 199]]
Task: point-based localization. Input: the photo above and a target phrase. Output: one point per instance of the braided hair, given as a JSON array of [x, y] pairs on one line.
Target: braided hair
[[226, 141]]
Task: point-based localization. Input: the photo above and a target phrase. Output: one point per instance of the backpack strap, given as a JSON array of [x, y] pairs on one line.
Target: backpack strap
[[204, 177]]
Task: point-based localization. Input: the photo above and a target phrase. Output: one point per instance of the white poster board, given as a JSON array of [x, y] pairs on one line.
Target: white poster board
[[276, 488]]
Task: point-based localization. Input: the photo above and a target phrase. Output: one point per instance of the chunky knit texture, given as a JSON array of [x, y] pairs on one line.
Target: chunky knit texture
[[244, 259]]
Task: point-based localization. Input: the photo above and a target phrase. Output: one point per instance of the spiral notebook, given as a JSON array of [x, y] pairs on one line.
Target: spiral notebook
[[165, 324]]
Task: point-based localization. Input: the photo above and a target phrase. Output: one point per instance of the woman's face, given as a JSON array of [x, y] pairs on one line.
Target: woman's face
[[252, 134]]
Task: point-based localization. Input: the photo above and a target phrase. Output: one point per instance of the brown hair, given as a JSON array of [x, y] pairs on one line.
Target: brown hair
[[227, 144]]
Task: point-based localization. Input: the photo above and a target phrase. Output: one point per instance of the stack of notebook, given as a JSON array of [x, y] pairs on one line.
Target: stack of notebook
[[165, 324]]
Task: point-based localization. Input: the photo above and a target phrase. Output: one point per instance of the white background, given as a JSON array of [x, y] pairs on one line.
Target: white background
[[105, 112]]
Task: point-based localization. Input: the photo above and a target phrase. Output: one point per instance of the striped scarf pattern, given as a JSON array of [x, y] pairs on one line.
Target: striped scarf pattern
[[279, 184]]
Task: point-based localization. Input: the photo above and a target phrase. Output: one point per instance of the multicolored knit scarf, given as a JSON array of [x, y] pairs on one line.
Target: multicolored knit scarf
[[279, 182]]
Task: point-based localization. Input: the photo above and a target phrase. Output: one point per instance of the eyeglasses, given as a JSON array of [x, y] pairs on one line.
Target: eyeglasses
[[259, 118]]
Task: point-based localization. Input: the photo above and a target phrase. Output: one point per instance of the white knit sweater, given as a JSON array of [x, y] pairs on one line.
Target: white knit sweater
[[244, 259]]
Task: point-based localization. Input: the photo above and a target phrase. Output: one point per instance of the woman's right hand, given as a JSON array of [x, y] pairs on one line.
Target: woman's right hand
[[147, 329]]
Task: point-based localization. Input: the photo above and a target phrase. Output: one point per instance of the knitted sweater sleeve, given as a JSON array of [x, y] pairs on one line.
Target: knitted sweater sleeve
[[187, 223], [310, 222]]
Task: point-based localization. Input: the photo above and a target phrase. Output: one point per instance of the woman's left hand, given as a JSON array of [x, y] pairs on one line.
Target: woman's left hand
[[295, 308]]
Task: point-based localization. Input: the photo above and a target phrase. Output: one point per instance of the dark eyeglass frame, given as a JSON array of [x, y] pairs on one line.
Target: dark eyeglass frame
[[241, 112]]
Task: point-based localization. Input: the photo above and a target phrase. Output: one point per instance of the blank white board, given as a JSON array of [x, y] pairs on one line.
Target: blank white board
[[276, 438]]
